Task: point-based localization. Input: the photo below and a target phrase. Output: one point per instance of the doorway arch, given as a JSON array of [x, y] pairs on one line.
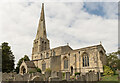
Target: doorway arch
[[23, 70], [71, 69]]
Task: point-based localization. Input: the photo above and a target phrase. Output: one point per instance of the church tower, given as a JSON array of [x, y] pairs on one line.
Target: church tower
[[41, 42]]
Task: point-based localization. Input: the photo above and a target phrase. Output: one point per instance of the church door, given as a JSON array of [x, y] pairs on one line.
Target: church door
[[71, 70]]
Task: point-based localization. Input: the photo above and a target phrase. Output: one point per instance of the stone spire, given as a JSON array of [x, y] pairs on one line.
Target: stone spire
[[41, 32], [41, 42]]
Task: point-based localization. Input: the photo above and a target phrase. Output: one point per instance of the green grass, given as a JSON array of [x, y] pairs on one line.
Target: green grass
[[110, 78]]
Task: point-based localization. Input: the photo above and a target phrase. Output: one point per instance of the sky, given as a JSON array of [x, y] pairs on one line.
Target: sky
[[80, 24]]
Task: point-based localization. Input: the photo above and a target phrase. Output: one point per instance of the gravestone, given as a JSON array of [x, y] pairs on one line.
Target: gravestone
[[77, 76], [19, 77], [119, 75], [67, 75], [54, 78], [53, 74], [59, 74], [26, 77], [47, 75]]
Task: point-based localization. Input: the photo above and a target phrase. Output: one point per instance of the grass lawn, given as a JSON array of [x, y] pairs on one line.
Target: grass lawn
[[110, 78]]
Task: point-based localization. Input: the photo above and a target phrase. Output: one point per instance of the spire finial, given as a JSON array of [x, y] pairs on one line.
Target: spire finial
[[41, 27], [67, 44], [100, 43]]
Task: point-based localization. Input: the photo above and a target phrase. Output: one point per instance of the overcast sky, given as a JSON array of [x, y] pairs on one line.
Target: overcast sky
[[79, 24]]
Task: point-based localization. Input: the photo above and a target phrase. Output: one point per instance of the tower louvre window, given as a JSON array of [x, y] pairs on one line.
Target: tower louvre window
[[47, 55], [53, 53], [43, 66], [41, 56]]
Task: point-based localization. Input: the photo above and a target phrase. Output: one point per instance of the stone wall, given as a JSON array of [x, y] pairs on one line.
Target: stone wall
[[91, 76], [55, 63], [53, 76], [25, 77]]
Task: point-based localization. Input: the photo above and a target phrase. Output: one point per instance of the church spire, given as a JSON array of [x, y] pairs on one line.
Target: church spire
[[41, 32]]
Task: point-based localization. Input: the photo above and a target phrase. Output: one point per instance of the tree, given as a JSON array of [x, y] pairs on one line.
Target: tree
[[7, 58], [38, 70], [0, 59], [25, 58], [112, 59]]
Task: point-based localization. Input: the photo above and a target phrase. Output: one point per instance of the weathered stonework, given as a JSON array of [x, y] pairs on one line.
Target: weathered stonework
[[64, 58]]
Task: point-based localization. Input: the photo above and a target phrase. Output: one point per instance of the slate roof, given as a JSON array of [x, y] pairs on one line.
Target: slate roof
[[30, 64]]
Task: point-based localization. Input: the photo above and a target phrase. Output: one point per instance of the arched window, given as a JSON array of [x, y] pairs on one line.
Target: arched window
[[43, 66], [23, 70], [53, 53], [85, 58], [45, 45], [83, 62], [101, 55], [47, 55], [42, 48], [88, 60], [65, 62], [41, 56]]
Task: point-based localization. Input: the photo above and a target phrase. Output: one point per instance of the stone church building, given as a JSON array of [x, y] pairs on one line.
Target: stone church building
[[62, 58]]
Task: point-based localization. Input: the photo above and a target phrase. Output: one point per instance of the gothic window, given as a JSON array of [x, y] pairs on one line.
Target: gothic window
[[83, 62], [45, 45], [53, 53], [44, 33], [41, 56], [88, 60], [65, 63], [101, 56], [47, 55], [85, 58], [23, 70], [42, 48], [43, 66]]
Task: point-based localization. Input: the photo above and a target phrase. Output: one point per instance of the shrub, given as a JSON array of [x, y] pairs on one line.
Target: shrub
[[38, 70], [63, 75], [77, 73], [107, 71], [48, 70]]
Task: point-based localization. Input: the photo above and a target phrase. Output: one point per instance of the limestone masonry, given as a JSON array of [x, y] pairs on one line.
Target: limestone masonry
[[63, 58]]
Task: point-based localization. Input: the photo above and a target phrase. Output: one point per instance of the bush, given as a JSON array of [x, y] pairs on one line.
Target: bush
[[63, 75], [38, 70], [107, 71], [48, 70], [77, 73]]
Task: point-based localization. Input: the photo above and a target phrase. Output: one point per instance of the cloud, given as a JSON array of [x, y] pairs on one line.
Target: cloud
[[65, 23], [105, 9]]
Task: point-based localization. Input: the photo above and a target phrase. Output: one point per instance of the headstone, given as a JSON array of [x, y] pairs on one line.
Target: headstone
[[26, 77], [53, 74], [67, 75], [87, 77], [77, 76], [54, 78], [47, 75], [59, 74], [119, 75], [19, 77]]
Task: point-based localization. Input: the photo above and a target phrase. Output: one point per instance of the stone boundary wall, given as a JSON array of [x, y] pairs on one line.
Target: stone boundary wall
[[53, 76]]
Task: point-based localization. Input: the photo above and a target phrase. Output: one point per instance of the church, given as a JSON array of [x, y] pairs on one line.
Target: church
[[62, 58]]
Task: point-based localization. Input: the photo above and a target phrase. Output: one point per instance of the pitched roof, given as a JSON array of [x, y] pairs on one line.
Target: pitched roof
[[95, 46], [30, 64]]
